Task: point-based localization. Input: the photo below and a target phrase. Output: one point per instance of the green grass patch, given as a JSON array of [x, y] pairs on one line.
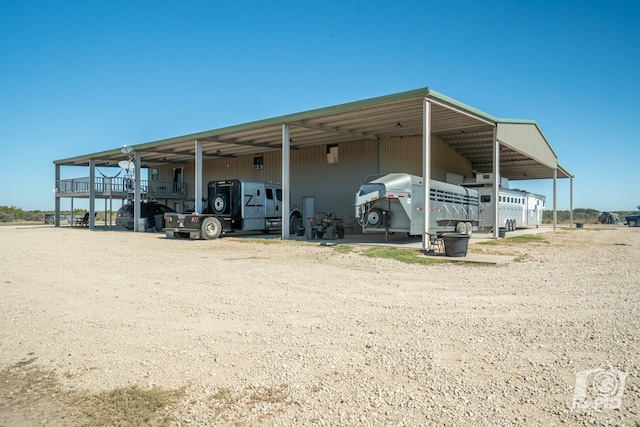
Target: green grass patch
[[130, 406], [527, 238], [343, 249], [402, 255], [259, 240], [524, 239]]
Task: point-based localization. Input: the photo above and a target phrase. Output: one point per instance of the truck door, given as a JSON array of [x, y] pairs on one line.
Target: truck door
[[254, 204], [272, 204]]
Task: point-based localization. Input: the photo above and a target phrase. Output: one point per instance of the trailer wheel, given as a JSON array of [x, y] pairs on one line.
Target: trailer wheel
[[374, 218], [220, 202], [632, 223], [211, 228]]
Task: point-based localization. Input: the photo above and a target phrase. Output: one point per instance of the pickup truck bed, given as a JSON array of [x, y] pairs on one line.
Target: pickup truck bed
[[632, 220]]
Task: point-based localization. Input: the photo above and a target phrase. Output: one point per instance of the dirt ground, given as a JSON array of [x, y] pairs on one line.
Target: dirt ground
[[265, 332]]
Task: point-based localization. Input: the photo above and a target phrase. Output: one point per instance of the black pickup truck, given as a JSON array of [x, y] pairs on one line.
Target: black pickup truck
[[632, 220]]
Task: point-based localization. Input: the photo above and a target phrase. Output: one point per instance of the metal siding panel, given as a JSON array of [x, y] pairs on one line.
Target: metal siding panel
[[332, 185], [527, 139], [404, 154]]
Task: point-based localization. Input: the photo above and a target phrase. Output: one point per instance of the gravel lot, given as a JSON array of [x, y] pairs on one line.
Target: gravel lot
[[294, 333]]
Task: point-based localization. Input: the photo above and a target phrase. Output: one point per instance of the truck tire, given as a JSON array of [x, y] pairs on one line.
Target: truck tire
[[374, 218], [220, 203], [295, 223], [211, 228], [632, 223]]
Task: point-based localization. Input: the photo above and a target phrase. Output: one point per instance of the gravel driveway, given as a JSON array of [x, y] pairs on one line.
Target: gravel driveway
[[291, 333]]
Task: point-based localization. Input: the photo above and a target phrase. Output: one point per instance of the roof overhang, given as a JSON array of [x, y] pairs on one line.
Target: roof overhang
[[467, 130]]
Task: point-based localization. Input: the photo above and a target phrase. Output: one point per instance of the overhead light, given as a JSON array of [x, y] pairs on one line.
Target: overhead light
[[218, 152], [398, 125]]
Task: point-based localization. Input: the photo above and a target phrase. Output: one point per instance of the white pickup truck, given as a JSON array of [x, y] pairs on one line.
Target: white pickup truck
[[234, 205]]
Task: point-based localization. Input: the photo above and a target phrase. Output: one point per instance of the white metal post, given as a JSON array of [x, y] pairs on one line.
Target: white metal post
[[571, 202], [426, 170], [198, 177], [496, 183], [136, 193], [286, 190], [555, 198], [92, 193], [57, 199]]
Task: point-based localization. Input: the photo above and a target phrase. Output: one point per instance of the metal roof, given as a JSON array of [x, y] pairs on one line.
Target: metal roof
[[467, 130]]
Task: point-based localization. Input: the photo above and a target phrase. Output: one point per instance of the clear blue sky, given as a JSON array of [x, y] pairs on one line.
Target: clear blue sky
[[78, 77]]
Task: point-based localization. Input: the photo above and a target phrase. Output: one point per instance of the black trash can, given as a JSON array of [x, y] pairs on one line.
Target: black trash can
[[502, 232], [579, 224], [455, 244]]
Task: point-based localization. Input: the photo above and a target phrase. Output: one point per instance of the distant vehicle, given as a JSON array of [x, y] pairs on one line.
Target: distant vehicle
[[234, 205], [149, 210], [632, 220]]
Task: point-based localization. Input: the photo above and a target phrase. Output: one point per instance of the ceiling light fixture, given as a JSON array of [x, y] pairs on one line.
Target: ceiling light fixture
[[398, 125]]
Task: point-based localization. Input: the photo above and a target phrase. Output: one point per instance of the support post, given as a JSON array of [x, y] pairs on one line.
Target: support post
[[198, 178], [555, 198], [57, 199], [92, 194], [426, 171], [136, 193], [286, 190], [496, 183], [571, 202]]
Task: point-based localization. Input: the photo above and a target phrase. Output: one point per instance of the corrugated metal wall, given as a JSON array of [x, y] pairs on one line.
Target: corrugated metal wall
[[333, 185]]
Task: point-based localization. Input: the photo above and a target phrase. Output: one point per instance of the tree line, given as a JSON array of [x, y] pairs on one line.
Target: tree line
[[585, 215], [13, 213]]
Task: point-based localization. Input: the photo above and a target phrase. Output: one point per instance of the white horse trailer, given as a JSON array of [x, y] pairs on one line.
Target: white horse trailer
[[516, 208], [395, 203]]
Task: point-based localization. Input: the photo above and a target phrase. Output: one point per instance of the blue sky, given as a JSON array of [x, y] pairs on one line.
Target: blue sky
[[78, 77]]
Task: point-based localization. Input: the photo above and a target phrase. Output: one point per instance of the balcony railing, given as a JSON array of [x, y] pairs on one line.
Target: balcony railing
[[119, 187]]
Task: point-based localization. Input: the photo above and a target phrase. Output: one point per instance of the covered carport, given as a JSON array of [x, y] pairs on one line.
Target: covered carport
[[508, 148]]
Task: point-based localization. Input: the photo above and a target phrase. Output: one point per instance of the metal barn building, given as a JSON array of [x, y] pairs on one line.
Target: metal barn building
[[324, 154]]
